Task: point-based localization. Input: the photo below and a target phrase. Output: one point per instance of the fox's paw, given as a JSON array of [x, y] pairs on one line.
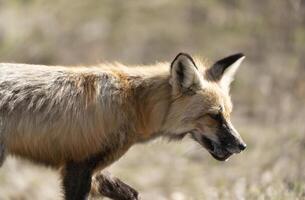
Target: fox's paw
[[113, 188]]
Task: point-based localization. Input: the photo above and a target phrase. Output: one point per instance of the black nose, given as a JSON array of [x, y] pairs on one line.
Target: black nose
[[242, 146]]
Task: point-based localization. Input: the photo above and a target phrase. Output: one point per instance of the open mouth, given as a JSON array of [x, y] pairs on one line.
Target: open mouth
[[215, 149]]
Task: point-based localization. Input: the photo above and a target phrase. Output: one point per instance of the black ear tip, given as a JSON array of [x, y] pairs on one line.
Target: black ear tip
[[227, 61], [183, 54], [235, 56], [239, 55]]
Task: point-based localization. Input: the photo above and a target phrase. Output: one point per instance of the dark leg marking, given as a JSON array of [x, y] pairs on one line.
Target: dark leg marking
[[78, 175], [77, 181]]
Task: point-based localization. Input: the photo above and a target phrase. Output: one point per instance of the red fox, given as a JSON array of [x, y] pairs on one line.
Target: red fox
[[82, 119]]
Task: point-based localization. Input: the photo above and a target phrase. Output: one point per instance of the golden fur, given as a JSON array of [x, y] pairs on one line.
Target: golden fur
[[55, 114]]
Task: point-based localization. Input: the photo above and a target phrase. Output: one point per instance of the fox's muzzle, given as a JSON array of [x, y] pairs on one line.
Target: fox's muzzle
[[229, 138], [226, 142], [231, 143]]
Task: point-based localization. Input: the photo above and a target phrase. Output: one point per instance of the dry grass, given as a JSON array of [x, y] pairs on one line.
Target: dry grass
[[268, 93]]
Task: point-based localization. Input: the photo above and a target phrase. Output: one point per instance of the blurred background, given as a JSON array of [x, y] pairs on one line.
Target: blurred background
[[268, 94]]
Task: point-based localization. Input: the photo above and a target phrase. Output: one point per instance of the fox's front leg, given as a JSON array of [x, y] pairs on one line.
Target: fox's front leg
[[77, 176], [77, 180], [103, 184]]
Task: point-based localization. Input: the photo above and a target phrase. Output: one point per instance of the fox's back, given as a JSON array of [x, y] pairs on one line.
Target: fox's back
[[51, 114]]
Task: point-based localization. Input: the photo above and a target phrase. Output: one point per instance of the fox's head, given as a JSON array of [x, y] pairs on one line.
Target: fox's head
[[201, 104]]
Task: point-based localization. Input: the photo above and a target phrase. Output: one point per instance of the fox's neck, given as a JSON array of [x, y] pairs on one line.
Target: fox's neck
[[153, 97]]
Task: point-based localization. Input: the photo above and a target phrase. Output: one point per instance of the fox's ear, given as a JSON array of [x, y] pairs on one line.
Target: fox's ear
[[223, 70], [184, 74]]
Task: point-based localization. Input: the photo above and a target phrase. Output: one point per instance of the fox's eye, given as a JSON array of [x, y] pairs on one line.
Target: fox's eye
[[215, 116]]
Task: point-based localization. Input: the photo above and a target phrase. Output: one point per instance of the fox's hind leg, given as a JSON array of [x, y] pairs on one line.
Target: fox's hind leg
[[103, 184]]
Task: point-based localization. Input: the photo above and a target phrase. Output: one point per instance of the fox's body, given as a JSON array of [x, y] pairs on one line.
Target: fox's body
[[56, 114], [84, 118]]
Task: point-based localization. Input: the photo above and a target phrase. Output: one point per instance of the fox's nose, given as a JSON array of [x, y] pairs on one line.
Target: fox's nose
[[242, 146]]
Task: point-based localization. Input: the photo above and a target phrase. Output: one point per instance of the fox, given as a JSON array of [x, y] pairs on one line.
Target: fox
[[81, 119]]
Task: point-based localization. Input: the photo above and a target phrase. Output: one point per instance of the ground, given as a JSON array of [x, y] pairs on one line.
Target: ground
[[268, 93]]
